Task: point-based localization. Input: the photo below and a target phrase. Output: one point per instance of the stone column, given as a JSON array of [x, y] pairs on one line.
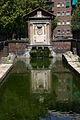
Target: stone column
[[48, 34], [31, 34]]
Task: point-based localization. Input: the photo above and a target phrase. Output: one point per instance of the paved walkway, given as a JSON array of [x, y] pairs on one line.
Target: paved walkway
[[73, 61], [4, 69]]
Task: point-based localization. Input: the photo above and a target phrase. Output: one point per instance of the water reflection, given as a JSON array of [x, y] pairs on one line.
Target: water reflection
[[64, 86], [41, 75], [54, 78], [35, 87], [44, 72], [60, 116], [41, 81], [50, 75]]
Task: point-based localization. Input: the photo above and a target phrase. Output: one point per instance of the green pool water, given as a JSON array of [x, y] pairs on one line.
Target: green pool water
[[35, 86]]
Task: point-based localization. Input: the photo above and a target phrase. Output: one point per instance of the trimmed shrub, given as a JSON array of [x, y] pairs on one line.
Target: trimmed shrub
[[40, 53]]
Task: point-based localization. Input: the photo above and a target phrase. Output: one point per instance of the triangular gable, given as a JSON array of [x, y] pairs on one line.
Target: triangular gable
[[44, 12]]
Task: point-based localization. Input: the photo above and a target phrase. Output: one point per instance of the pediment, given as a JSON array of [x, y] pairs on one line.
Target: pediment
[[40, 13]]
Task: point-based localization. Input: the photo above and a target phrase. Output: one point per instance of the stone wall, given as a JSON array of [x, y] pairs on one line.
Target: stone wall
[[17, 48]]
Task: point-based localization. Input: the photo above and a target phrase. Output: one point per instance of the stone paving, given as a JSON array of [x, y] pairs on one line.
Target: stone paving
[[5, 65], [4, 69], [73, 61]]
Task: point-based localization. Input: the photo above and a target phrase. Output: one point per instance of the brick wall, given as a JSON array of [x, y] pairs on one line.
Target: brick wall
[[61, 47], [18, 48]]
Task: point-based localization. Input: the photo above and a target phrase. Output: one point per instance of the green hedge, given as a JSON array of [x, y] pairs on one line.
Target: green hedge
[[40, 53]]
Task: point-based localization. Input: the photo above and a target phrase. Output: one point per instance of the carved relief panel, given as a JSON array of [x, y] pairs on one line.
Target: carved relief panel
[[39, 33]]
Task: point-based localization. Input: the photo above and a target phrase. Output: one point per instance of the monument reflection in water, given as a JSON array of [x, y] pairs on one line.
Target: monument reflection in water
[[52, 77], [40, 76], [43, 74], [56, 80], [41, 81], [36, 87]]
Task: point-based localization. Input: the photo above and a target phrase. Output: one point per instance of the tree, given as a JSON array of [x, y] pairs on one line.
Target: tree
[[75, 23], [11, 12], [75, 26], [53, 26], [32, 4]]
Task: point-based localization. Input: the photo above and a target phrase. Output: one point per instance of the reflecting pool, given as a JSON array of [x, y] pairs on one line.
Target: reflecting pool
[[35, 88]]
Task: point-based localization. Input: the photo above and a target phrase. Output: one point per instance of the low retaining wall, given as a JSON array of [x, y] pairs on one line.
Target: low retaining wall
[[61, 47], [17, 48]]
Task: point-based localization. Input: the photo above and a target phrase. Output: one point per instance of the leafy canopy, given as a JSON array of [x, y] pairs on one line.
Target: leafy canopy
[[11, 12], [75, 22]]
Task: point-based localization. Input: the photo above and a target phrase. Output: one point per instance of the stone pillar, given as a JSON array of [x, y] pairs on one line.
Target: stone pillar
[[48, 33], [29, 30], [31, 34]]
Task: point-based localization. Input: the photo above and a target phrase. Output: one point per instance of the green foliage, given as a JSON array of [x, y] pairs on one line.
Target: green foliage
[[10, 16], [11, 13], [40, 53], [75, 22], [53, 25], [32, 4]]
